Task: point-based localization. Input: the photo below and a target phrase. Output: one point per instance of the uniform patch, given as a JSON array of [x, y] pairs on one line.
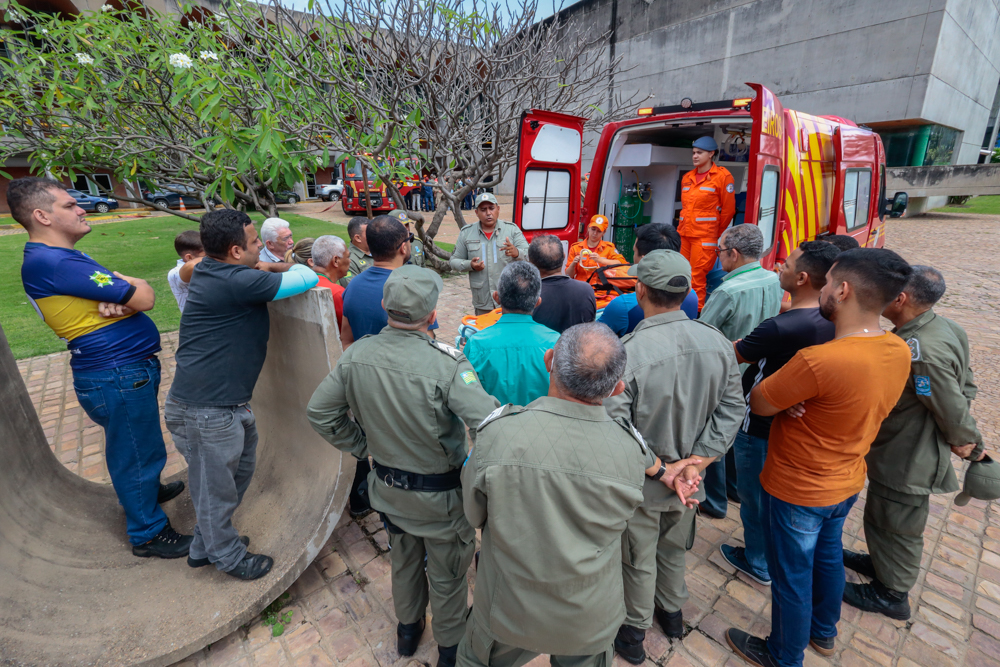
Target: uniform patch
[[102, 279], [914, 345], [490, 417], [730, 188], [469, 377], [447, 349], [638, 436], [922, 384]]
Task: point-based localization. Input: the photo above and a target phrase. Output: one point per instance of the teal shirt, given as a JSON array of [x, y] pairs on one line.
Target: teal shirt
[[747, 296], [509, 358]]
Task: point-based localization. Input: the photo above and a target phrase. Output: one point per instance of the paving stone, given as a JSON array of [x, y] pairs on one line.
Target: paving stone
[[942, 603], [705, 650], [753, 600], [934, 639], [315, 657], [940, 622]]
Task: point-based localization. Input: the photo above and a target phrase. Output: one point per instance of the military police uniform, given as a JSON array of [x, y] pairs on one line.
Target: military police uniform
[[472, 244], [911, 456], [360, 260], [410, 420], [552, 486], [683, 393]]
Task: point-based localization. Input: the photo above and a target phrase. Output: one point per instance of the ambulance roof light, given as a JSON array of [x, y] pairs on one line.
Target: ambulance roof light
[[645, 111], [742, 102]]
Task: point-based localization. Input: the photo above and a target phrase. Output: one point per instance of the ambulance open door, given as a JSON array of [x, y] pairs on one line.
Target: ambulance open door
[[765, 182], [547, 195]]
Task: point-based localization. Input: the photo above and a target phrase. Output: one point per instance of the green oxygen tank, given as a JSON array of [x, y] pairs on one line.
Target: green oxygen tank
[[630, 213]]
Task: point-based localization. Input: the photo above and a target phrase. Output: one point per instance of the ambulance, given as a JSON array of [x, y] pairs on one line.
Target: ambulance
[[797, 176]]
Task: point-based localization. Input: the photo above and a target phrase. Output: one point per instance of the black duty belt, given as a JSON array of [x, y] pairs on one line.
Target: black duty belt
[[414, 481]]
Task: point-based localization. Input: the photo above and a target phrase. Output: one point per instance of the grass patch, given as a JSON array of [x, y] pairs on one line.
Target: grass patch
[[985, 205]]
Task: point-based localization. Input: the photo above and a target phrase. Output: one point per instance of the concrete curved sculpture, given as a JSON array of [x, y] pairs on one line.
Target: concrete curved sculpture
[[71, 593]]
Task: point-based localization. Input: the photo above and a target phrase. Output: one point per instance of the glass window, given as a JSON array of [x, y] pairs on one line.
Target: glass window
[[546, 199], [556, 144], [864, 197], [857, 196], [310, 185], [919, 146], [850, 198], [103, 183], [768, 214]]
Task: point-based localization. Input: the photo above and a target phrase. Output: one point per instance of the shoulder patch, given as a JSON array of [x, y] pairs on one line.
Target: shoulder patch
[[447, 349], [730, 188], [914, 345], [922, 383], [492, 416], [468, 377], [634, 432]]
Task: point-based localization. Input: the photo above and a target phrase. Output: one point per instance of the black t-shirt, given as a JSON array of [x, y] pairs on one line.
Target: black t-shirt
[[565, 302], [771, 345], [224, 332]]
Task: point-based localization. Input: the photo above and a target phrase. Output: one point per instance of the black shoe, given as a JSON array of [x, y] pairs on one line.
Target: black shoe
[[253, 566], [628, 644], [408, 636], [824, 647], [167, 544], [169, 491], [712, 514], [752, 649], [202, 562], [875, 597], [672, 622], [859, 562], [447, 655]]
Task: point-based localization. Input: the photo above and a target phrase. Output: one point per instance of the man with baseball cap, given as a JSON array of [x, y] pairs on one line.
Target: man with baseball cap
[[679, 419], [416, 245], [411, 418], [484, 248], [708, 204], [592, 252]]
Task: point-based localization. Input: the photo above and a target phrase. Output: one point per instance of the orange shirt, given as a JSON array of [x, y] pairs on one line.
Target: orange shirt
[[849, 386], [338, 296], [708, 203], [604, 249]]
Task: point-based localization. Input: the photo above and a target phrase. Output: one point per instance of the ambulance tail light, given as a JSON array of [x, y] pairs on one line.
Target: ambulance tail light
[[742, 102], [645, 111]]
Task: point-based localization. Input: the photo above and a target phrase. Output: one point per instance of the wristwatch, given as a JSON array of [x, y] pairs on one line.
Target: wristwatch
[[661, 472]]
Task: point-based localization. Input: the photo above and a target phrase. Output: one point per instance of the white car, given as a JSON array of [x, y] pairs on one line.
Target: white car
[[332, 191]]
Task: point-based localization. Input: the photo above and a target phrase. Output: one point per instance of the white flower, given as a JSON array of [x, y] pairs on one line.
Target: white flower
[[181, 60], [208, 55], [84, 59], [44, 31], [107, 8], [14, 16]]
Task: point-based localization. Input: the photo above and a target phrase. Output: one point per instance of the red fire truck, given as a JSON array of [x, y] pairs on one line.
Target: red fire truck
[[803, 176], [353, 199]]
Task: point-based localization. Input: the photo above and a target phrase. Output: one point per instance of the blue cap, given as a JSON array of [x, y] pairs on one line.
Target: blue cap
[[705, 144]]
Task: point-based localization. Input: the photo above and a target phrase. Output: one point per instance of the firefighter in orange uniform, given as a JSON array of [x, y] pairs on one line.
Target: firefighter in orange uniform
[[587, 255], [708, 204]]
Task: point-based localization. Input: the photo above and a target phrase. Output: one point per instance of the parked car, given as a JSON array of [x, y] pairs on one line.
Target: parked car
[[332, 191], [92, 203], [169, 199], [286, 197]]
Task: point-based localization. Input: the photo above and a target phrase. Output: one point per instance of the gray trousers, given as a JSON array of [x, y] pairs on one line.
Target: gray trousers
[[220, 447], [894, 531], [653, 548], [477, 649]]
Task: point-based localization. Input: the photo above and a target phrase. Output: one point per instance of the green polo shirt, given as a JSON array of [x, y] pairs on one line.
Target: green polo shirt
[[747, 296], [509, 358]]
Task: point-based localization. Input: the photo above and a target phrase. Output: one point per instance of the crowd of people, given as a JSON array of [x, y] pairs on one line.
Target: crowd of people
[[595, 444]]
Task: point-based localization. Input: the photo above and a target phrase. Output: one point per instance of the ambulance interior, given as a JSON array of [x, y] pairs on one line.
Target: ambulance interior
[[656, 157]]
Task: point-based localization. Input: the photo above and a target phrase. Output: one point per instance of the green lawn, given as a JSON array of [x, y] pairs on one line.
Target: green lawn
[[988, 205]]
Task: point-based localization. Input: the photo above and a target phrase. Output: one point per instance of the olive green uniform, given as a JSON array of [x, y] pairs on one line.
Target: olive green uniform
[[359, 262], [472, 243], [409, 417], [683, 393], [552, 485], [417, 256], [911, 456]]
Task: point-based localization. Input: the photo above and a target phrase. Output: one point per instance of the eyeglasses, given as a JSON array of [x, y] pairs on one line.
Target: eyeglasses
[[409, 239], [719, 250]]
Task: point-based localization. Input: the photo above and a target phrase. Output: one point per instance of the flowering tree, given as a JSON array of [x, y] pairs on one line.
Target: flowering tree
[[150, 97]]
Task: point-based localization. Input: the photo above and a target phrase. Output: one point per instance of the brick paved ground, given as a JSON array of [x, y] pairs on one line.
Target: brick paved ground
[[342, 603]]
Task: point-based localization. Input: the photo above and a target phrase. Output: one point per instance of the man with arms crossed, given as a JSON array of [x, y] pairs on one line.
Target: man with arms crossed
[[113, 347], [815, 468], [221, 349], [679, 419]]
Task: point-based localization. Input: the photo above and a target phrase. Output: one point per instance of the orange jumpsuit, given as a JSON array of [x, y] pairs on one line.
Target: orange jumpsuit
[[604, 249], [707, 208]]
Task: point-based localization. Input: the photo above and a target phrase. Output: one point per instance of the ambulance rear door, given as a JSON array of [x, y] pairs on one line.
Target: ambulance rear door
[[764, 182], [547, 190], [854, 209]]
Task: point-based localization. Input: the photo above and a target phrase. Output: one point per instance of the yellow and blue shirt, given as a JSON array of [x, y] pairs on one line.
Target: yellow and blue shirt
[[65, 286]]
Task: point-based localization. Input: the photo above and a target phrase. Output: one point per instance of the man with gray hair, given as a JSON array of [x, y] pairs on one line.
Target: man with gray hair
[[748, 295], [277, 238], [910, 457], [509, 356], [332, 260], [559, 471]]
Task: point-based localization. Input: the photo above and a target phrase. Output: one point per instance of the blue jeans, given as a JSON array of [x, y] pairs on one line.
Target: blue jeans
[[123, 401], [720, 480], [750, 452], [806, 560]]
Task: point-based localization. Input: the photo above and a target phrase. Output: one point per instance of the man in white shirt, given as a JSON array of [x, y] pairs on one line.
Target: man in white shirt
[[189, 249], [277, 237]]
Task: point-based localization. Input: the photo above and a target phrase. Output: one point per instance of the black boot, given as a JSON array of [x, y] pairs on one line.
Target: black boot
[[408, 636], [169, 491], [447, 655], [859, 562], [628, 644], [752, 649], [202, 562], [672, 622], [875, 597], [168, 543], [358, 504], [253, 566]]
